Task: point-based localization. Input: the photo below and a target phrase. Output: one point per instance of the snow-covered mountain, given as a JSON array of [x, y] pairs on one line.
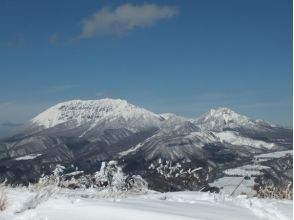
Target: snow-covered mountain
[[109, 111], [222, 118], [116, 113], [184, 139], [86, 132]]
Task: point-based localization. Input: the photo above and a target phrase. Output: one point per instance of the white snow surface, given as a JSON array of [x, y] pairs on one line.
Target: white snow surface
[[228, 184], [277, 154], [204, 137], [220, 118], [87, 205], [234, 177], [80, 112], [201, 137], [28, 157], [246, 170], [234, 138], [173, 118]]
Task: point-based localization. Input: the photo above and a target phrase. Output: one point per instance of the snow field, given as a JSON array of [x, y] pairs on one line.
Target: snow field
[[88, 205]]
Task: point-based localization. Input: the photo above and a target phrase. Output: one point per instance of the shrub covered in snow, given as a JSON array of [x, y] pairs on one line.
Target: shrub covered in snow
[[3, 198], [170, 170], [270, 190], [276, 182], [54, 179], [137, 184], [110, 177]]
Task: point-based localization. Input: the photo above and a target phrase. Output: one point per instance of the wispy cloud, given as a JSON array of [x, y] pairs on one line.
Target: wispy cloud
[[18, 112], [124, 18], [4, 104], [257, 105], [100, 95], [223, 97], [54, 38], [10, 124], [18, 42], [61, 88]]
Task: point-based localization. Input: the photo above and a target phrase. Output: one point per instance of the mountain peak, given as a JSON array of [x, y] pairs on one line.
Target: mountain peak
[[105, 101], [225, 113], [221, 117], [120, 113], [85, 111], [222, 109]]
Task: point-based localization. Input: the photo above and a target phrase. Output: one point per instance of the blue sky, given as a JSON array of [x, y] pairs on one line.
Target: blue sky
[[183, 57]]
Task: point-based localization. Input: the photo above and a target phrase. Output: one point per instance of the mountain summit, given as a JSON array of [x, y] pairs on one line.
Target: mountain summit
[[224, 118], [81, 112]]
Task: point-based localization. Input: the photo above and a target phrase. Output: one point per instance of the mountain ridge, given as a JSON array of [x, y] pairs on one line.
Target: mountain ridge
[[52, 116], [84, 133]]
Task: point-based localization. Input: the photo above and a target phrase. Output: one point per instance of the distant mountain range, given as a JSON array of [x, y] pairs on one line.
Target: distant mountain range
[[82, 134]]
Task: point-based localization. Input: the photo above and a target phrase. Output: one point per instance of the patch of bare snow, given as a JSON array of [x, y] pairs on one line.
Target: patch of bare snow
[[28, 157], [69, 204], [234, 138]]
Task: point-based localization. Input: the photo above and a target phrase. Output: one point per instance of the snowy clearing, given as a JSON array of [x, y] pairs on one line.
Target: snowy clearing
[[228, 184], [88, 205], [235, 176], [235, 139], [277, 154], [246, 170], [28, 157]]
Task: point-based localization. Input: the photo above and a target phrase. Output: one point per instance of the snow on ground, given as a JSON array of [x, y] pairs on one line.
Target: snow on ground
[[229, 183], [246, 170], [28, 157], [277, 154], [235, 139], [88, 205], [233, 177]]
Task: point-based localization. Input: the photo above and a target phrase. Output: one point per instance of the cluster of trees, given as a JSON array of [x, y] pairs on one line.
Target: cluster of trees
[[109, 177], [270, 190], [109, 180], [276, 182], [281, 192]]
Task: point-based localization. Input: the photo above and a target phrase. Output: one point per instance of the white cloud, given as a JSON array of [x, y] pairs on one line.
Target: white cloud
[[120, 20]]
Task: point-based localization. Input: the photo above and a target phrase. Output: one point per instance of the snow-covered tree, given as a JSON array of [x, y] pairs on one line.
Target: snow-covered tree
[[55, 178], [111, 175], [136, 183]]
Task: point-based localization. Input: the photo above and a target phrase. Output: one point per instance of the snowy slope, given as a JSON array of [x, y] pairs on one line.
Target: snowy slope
[[91, 116], [235, 138], [223, 118], [81, 112], [174, 142], [272, 155], [168, 206]]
